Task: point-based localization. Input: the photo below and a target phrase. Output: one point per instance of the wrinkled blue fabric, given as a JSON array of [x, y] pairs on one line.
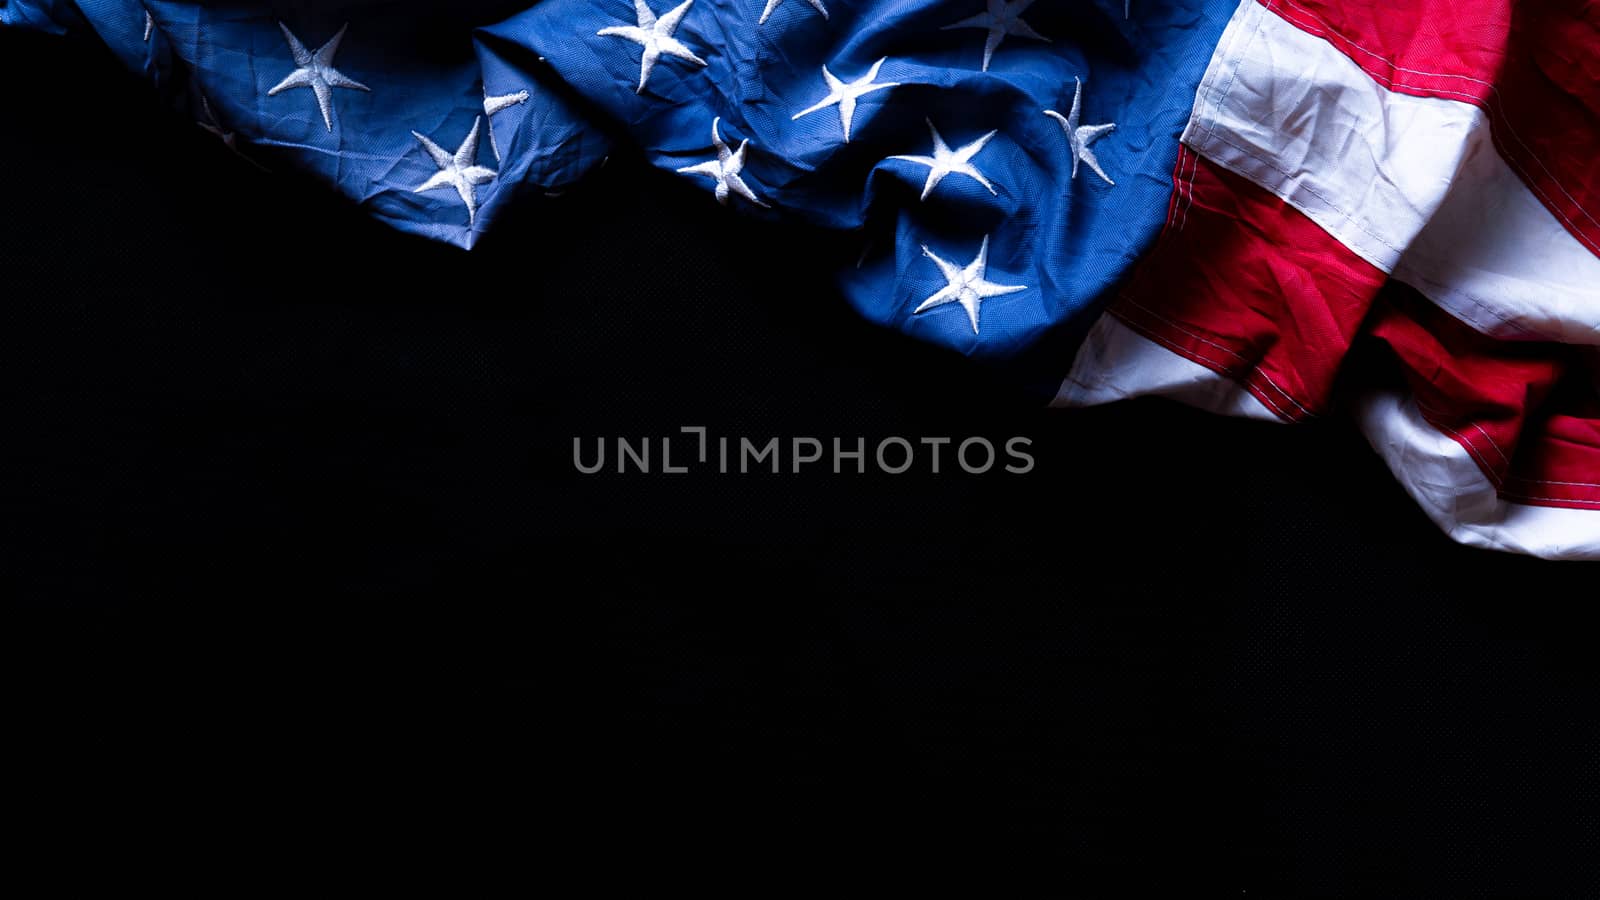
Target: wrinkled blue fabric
[[1066, 241], [426, 70]]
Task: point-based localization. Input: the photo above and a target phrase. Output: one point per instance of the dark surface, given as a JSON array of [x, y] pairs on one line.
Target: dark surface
[[303, 562]]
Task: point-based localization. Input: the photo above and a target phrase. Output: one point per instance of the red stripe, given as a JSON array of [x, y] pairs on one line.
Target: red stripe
[[1476, 389], [1246, 285], [1534, 67], [1249, 287], [1524, 411], [1561, 467]]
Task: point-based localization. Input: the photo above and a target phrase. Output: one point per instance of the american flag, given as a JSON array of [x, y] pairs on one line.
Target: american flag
[[1278, 209]]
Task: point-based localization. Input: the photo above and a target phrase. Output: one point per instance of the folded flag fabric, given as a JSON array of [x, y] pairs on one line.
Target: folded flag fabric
[[1006, 161], [1406, 189], [1235, 204], [399, 106]]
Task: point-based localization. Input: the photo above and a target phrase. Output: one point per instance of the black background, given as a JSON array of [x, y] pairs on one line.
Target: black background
[[303, 565]]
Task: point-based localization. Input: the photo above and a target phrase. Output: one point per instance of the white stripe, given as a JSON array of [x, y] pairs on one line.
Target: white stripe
[[1116, 362], [1494, 257], [1442, 476], [1413, 185]]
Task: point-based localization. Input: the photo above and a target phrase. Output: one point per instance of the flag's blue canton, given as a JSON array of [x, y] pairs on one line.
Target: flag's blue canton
[[992, 195], [1066, 239], [377, 74], [54, 16]]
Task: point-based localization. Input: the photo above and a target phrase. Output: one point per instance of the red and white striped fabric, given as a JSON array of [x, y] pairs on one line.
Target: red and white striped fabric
[[1403, 196]]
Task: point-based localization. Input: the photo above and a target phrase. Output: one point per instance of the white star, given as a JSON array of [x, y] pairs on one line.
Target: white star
[[492, 105], [725, 168], [316, 71], [149, 25], [1080, 137], [945, 161], [773, 4], [215, 127], [965, 286], [228, 138], [1000, 19], [655, 36], [846, 94], [459, 170]]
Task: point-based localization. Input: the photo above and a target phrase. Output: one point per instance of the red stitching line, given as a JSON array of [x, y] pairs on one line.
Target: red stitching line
[[1328, 32], [1248, 376], [1254, 367], [1434, 417], [1194, 355], [1548, 481], [1548, 499]]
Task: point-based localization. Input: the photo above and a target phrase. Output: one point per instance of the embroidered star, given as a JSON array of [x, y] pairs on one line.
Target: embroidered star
[[945, 161], [492, 105], [773, 4], [845, 94], [458, 170], [149, 25], [1079, 137], [1000, 19], [725, 168], [655, 36], [212, 125], [316, 71], [965, 286], [228, 138]]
